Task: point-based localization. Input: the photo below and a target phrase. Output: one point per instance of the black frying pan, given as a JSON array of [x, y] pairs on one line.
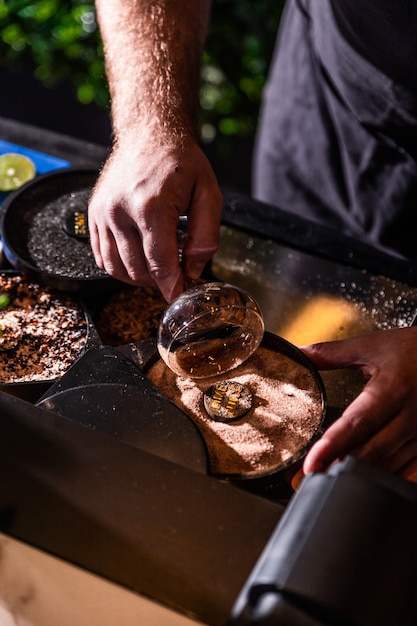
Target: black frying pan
[[22, 208]]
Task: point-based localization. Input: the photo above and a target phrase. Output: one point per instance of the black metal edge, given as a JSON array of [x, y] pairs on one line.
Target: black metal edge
[[87, 286], [270, 222], [349, 510], [182, 538]]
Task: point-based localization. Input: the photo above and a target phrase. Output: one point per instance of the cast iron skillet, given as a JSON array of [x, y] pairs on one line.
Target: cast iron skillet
[[17, 214]]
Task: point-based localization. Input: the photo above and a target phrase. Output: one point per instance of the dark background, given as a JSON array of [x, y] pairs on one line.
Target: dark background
[[52, 74]]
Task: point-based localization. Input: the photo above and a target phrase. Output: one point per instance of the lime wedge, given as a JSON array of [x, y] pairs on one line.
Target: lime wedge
[[15, 170]]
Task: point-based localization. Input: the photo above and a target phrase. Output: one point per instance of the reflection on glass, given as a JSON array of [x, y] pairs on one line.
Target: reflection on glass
[[210, 329]]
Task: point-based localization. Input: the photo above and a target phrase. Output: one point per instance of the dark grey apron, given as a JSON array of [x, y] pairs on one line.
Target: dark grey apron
[[337, 138]]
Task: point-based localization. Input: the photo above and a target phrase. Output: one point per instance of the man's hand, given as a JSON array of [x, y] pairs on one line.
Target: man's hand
[[134, 211], [380, 425], [157, 171]]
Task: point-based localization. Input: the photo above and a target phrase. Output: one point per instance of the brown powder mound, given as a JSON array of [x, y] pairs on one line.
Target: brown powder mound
[[132, 314], [286, 413], [41, 332]]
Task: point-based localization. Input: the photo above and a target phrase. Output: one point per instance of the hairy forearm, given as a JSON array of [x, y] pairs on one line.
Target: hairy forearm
[[153, 55]]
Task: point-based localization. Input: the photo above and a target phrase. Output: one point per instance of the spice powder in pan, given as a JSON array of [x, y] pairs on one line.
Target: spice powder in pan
[[49, 246], [41, 333], [132, 314], [286, 413]]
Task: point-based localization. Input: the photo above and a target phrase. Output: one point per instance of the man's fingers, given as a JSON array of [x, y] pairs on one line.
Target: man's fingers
[[364, 417], [335, 354]]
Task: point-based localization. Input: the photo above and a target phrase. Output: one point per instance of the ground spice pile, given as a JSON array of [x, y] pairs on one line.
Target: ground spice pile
[[132, 314], [41, 333], [286, 413], [51, 249]]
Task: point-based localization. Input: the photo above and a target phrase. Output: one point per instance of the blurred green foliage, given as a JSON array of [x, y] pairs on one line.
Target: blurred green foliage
[[238, 51], [59, 41]]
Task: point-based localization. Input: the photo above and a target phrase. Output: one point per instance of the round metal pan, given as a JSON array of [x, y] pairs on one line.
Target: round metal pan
[[32, 390], [17, 216], [275, 481]]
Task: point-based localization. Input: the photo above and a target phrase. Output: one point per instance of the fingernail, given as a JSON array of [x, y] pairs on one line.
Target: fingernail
[[195, 269]]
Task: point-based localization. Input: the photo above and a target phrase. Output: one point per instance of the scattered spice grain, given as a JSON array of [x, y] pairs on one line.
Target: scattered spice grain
[[132, 314], [42, 333], [50, 247]]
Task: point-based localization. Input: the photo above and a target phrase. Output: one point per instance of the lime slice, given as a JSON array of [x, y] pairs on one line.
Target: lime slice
[[15, 170]]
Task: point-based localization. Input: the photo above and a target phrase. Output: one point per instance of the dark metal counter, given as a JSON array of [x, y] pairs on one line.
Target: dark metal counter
[[312, 282], [178, 536]]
